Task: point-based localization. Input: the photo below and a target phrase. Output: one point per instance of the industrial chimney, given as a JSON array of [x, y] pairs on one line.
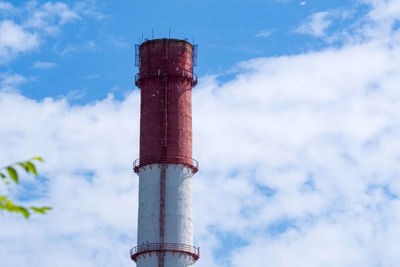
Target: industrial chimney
[[165, 166]]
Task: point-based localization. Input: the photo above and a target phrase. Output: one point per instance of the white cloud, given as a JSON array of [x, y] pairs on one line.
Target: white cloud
[[379, 23], [70, 189], [10, 81], [27, 26], [318, 129], [384, 10], [44, 65], [381, 20], [5, 6], [14, 40], [50, 16], [92, 76], [74, 48], [264, 33], [316, 24], [89, 8]]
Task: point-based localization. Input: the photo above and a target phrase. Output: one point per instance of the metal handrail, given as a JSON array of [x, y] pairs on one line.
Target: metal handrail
[[140, 162], [192, 251]]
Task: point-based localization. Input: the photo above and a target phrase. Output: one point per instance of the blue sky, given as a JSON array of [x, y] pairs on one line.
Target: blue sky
[[92, 54], [295, 126]]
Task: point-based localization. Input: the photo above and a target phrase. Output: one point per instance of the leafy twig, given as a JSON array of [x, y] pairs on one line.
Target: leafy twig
[[10, 173]]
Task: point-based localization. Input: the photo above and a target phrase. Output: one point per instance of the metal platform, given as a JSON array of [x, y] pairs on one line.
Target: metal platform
[[157, 248], [190, 162]]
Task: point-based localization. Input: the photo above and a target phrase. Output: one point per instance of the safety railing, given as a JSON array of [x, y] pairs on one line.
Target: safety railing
[[190, 162], [142, 250]]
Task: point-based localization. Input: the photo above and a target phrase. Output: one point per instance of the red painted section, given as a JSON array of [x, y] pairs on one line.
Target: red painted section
[[166, 79]]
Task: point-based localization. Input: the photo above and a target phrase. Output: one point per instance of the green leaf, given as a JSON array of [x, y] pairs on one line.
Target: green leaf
[[7, 204], [31, 167], [13, 174], [24, 212], [41, 210], [24, 166], [10, 206], [38, 159], [4, 178]]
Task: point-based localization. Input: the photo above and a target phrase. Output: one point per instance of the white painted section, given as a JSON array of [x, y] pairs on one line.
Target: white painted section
[[149, 205], [178, 205], [148, 261], [178, 212], [176, 260]]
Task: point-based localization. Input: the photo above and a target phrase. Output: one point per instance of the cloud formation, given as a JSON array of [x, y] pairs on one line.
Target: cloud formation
[[44, 65], [316, 24], [14, 40], [76, 48], [264, 33], [308, 158], [49, 16], [74, 184], [24, 28], [9, 82]]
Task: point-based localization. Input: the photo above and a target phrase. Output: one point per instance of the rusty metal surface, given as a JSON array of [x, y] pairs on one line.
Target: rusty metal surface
[[166, 60]]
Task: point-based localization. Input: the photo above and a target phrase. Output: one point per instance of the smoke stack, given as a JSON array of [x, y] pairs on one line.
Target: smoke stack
[[165, 166]]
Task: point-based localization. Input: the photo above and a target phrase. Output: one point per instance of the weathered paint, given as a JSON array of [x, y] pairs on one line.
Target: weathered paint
[[149, 205], [166, 80], [166, 166], [178, 212]]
